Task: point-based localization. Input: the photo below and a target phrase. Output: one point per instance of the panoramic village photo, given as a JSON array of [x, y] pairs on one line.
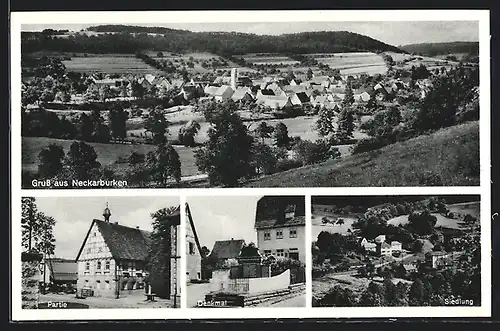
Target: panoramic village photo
[[303, 104], [100, 252], [245, 251], [370, 251]]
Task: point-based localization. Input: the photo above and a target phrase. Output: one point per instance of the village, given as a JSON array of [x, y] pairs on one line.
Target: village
[[401, 245], [295, 113], [117, 266], [242, 273]]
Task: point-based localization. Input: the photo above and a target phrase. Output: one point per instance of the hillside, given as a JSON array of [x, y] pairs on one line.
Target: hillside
[[448, 157], [434, 49], [124, 39]]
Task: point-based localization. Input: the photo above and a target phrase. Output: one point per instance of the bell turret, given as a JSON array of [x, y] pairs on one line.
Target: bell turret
[[106, 213]]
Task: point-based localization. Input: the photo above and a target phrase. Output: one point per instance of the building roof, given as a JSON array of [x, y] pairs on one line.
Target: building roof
[[211, 90], [271, 212], [63, 270], [302, 97], [227, 249], [223, 89], [437, 253], [240, 93], [385, 245], [124, 242]]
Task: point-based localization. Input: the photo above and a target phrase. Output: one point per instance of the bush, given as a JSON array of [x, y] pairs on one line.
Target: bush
[[369, 144], [430, 178], [287, 164]]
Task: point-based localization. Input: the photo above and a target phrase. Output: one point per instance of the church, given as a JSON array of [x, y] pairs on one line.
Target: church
[[112, 260]]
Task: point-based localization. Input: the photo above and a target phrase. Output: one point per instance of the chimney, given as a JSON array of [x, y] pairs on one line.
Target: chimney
[[137, 227], [232, 238]]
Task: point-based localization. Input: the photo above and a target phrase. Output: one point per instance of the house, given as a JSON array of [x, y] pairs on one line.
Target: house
[[290, 89], [437, 259], [368, 246], [411, 264], [280, 225], [262, 94], [224, 250], [113, 258], [384, 249], [194, 253], [320, 80], [300, 99], [380, 238], [210, 90], [396, 246], [223, 93], [242, 95], [275, 102]]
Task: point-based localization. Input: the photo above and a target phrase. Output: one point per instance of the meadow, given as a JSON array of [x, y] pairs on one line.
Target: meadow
[[449, 156], [353, 63], [107, 154], [270, 59], [111, 64]]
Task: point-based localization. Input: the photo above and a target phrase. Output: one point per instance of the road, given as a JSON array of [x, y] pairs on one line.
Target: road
[[295, 301]]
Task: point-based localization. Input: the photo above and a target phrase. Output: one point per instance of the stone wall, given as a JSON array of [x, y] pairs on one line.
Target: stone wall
[[30, 290]]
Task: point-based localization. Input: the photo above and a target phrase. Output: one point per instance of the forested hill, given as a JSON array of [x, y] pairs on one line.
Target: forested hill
[[433, 49], [129, 39]]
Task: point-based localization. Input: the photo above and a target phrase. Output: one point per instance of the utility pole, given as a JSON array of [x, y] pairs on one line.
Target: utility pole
[[117, 281]]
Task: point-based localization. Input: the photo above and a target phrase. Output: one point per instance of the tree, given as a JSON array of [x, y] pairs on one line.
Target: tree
[[416, 293], [138, 90], [157, 124], [423, 223], [36, 228], [309, 152], [264, 159], [263, 131], [345, 126], [348, 96], [81, 161], [187, 133], [226, 155], [205, 251], [117, 122], [309, 74], [85, 127], [137, 173], [164, 164], [325, 122], [104, 93], [50, 161], [281, 138], [160, 252]]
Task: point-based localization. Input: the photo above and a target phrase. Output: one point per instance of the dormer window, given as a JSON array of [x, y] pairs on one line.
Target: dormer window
[[290, 211]]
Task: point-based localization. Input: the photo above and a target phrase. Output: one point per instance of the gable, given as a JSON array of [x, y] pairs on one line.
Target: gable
[[94, 245]]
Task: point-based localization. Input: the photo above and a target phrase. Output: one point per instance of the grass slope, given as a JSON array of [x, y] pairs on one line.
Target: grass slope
[[107, 154], [448, 153]]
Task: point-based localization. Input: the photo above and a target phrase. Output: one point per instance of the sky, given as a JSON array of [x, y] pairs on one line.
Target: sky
[[74, 215], [392, 32], [224, 217]]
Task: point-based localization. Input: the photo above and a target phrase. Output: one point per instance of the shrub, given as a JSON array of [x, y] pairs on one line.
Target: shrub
[[287, 164], [369, 144]]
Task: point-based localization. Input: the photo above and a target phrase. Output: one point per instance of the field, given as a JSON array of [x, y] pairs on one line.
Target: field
[[198, 58], [353, 63], [111, 64], [430, 62], [318, 226], [462, 209], [107, 154], [450, 154], [270, 59]]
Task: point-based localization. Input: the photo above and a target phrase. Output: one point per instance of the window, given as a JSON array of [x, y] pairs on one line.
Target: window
[[107, 265], [89, 250], [191, 248], [293, 233], [95, 234], [293, 253], [107, 285], [280, 252], [279, 234], [98, 285], [199, 275], [267, 252], [99, 265], [99, 250], [267, 235], [87, 265]]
